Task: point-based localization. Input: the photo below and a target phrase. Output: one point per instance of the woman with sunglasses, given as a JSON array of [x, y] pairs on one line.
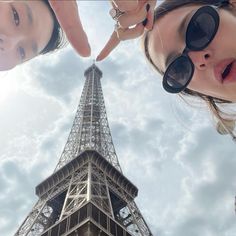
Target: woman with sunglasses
[[192, 44]]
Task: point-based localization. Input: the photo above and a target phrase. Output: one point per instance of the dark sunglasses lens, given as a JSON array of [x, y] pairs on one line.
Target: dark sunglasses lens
[[202, 28], [179, 74]]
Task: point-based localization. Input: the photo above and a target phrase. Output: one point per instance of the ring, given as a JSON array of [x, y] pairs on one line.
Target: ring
[[116, 13], [118, 30], [117, 26]]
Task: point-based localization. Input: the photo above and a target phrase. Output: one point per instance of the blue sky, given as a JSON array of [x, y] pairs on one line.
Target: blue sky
[[184, 170]]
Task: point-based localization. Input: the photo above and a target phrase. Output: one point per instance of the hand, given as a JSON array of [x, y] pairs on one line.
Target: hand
[[68, 17], [135, 14]]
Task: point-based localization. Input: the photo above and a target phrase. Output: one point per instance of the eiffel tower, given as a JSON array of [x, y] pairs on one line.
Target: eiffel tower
[[87, 195]]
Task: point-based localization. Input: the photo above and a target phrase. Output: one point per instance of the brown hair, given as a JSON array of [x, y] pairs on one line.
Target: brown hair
[[57, 39], [212, 102]]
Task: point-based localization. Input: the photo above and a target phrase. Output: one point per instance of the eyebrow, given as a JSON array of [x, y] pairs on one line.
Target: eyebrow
[[180, 31], [35, 48], [34, 45], [29, 14]]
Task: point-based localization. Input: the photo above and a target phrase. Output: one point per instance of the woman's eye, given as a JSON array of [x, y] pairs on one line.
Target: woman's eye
[[16, 16], [21, 53]]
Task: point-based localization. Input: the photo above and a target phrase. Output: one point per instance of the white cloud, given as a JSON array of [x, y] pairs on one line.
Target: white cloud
[[184, 170]]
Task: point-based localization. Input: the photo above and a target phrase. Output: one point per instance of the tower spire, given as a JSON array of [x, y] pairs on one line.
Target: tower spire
[[90, 130], [87, 195]]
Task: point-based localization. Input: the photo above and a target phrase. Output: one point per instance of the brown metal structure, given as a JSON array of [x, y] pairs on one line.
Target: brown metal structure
[[87, 195]]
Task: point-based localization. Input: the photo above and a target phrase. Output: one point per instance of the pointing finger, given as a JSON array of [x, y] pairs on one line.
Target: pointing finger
[[68, 17], [121, 34], [109, 47]]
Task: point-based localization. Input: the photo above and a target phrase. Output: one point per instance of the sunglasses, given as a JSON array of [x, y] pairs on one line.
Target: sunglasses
[[201, 30]]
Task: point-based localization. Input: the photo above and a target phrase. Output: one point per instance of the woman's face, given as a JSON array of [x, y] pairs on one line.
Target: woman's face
[[167, 40], [25, 29]]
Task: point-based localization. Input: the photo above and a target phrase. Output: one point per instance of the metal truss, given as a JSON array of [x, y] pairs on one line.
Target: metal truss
[[37, 221], [88, 171], [90, 129], [129, 216], [89, 183]]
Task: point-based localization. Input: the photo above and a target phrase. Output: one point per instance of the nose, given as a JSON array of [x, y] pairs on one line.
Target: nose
[[7, 43], [201, 59]]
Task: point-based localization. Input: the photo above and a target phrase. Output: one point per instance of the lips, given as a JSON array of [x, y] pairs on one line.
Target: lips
[[225, 71]]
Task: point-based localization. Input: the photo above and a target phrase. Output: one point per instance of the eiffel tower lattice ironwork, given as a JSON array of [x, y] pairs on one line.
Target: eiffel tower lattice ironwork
[[87, 195]]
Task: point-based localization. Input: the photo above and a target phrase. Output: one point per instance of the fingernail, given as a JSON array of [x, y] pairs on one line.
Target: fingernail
[[145, 22], [147, 7], [99, 58]]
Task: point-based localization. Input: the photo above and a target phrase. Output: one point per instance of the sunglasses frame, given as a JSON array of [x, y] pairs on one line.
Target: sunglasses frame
[[211, 10]]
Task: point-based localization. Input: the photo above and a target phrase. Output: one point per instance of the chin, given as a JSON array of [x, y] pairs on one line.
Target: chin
[[230, 99], [5, 68]]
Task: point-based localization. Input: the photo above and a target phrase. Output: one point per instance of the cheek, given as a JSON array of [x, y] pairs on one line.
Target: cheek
[[196, 82], [202, 82], [223, 45], [205, 83], [5, 17], [7, 61]]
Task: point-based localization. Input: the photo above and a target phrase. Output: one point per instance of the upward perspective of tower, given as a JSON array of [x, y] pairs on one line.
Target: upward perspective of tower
[[87, 195]]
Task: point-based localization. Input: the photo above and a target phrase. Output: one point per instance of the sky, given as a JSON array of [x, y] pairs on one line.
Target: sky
[[184, 170]]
